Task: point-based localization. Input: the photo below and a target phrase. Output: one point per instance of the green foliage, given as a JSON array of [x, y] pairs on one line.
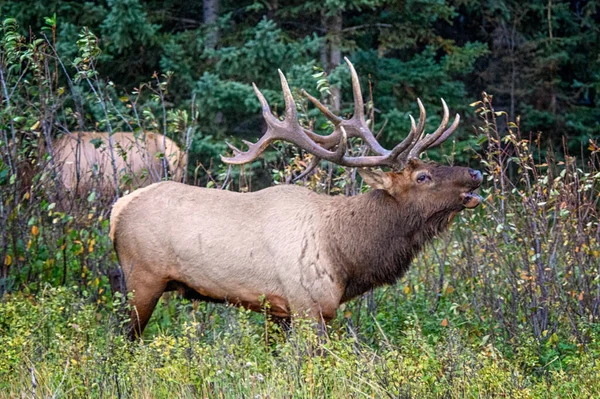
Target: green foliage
[[543, 64], [127, 24], [540, 58], [63, 344]]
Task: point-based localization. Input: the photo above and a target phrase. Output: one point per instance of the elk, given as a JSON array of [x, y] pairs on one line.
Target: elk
[[138, 160], [302, 252]]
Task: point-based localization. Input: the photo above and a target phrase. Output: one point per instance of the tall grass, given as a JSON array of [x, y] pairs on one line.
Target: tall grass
[[505, 304], [62, 345]]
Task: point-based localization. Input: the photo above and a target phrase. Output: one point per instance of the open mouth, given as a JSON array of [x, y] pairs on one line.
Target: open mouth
[[471, 200]]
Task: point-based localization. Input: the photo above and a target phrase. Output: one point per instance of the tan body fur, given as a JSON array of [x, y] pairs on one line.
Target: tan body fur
[[203, 259], [137, 160], [302, 252]]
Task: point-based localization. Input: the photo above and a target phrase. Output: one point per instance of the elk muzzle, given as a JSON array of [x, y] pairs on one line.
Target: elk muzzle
[[470, 199], [476, 176]]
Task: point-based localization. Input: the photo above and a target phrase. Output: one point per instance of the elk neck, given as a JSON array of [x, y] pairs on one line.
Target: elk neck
[[372, 238]]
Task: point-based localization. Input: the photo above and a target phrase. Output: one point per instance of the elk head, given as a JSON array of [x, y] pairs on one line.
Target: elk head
[[429, 187]]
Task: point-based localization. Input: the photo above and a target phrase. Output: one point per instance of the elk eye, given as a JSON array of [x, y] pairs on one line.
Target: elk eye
[[423, 178]]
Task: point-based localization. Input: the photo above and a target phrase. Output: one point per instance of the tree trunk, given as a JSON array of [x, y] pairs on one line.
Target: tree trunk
[[336, 56], [211, 15], [331, 53], [272, 7]]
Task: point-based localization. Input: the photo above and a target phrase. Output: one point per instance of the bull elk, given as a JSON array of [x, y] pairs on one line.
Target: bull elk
[[302, 252]]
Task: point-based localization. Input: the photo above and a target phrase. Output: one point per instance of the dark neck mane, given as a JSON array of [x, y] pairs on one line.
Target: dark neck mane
[[372, 239]]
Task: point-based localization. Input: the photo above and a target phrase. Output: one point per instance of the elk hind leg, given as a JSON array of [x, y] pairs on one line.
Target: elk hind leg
[[145, 298]]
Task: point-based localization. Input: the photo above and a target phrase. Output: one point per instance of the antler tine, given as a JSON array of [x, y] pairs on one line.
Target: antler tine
[[291, 114], [422, 117], [447, 133], [429, 139], [291, 119], [336, 120], [413, 125], [309, 169], [255, 149], [233, 148], [328, 141], [339, 154], [407, 142], [359, 107], [266, 109], [342, 146], [357, 126], [415, 134]]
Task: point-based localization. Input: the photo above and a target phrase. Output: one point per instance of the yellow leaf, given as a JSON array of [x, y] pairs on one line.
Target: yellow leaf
[[445, 323], [407, 289], [35, 126], [347, 314], [35, 231], [8, 260], [27, 195]]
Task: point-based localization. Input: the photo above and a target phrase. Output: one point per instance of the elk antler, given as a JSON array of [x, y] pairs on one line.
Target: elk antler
[[322, 147]]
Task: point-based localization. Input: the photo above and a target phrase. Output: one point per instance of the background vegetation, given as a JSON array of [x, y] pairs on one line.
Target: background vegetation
[[506, 304], [539, 58]]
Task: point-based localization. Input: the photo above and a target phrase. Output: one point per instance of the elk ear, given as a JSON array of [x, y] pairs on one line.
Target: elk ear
[[376, 179]]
